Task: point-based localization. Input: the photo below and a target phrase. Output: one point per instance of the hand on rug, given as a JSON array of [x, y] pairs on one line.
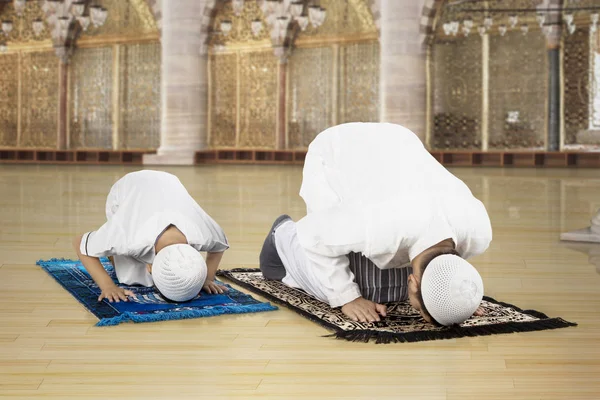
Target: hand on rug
[[364, 310], [213, 287], [115, 293]]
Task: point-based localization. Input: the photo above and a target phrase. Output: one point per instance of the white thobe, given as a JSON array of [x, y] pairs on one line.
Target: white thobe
[[139, 208], [373, 188]]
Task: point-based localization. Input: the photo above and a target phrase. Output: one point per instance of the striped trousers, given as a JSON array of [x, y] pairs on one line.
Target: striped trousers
[[379, 285]]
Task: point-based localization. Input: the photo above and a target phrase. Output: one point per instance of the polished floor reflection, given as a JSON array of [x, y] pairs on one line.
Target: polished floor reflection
[[49, 346]]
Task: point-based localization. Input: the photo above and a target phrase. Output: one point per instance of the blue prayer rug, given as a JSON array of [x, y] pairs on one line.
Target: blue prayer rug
[[147, 305]]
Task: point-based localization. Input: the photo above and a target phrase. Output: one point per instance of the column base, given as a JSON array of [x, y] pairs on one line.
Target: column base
[[170, 158]]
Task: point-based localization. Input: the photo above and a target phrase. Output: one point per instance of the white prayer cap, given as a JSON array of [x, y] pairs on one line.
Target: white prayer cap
[[179, 272], [452, 289]]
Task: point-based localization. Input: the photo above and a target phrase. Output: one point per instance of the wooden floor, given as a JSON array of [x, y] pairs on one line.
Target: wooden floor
[[50, 348]]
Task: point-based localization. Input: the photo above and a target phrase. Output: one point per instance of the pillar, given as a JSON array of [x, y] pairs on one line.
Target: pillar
[[403, 82], [554, 99], [553, 45], [184, 83], [63, 83], [282, 54]]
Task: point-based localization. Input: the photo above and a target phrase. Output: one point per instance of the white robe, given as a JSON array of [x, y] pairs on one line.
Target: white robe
[[139, 207], [374, 188]]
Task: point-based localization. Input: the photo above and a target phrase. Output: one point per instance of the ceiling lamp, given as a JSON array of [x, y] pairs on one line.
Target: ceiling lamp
[[226, 26], [257, 27], [238, 7], [7, 27], [502, 29], [19, 6], [38, 27]]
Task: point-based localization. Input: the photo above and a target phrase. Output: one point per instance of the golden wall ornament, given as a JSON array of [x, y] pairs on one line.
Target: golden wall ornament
[[576, 84], [125, 18], [327, 85], [241, 32], [518, 84], [358, 94], [310, 103], [223, 97], [90, 98], [9, 104], [22, 32], [457, 93], [39, 100], [139, 96], [344, 19], [257, 99]]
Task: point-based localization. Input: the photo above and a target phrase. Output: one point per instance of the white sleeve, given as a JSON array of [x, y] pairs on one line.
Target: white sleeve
[[477, 235], [328, 237], [207, 235], [108, 240], [218, 243]]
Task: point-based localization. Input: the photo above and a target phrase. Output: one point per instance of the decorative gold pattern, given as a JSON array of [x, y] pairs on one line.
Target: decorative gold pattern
[[518, 82], [457, 93], [23, 26], [343, 18], [39, 105], [91, 98], [223, 100], [125, 18], [258, 99], [456, 12], [576, 83], [9, 87], [241, 32], [358, 93], [139, 96], [310, 102]]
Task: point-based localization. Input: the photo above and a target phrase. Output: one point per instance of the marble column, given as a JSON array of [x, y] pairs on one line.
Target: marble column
[[403, 82], [184, 83], [64, 55], [553, 44], [282, 53]]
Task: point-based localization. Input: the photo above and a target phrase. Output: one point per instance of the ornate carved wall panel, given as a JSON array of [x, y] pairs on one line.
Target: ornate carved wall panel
[[126, 18], [576, 83], [258, 99], [310, 102], [518, 82], [457, 93], [223, 73], [39, 99], [350, 17], [359, 82], [23, 26], [241, 32], [9, 106], [91, 98], [343, 18], [139, 96]]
